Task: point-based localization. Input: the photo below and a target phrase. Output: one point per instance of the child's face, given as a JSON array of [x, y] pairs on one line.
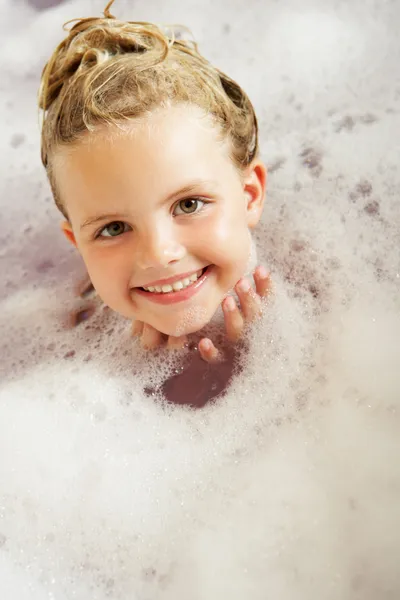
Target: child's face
[[165, 201]]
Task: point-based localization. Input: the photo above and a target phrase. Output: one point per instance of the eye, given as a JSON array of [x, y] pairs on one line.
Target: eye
[[113, 229], [188, 206]]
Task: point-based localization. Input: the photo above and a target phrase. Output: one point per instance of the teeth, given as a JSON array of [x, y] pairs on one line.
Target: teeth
[[176, 286]]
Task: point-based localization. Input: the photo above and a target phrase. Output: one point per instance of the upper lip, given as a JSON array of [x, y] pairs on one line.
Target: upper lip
[[170, 280]]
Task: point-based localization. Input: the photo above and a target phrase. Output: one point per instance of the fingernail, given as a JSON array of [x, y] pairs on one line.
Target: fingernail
[[244, 285], [263, 272], [229, 303], [206, 344]]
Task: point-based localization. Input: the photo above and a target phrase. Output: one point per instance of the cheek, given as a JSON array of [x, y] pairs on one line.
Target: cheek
[[107, 269], [228, 236]]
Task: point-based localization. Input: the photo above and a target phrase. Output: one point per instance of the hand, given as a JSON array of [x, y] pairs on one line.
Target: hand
[[235, 319]]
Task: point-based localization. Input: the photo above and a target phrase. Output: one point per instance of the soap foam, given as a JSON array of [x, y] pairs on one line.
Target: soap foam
[[286, 487]]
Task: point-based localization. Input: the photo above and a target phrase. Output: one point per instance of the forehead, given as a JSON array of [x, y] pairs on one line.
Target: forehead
[[151, 155]]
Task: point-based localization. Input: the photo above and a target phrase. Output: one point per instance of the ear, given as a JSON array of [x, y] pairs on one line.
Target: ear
[[254, 186], [67, 231]]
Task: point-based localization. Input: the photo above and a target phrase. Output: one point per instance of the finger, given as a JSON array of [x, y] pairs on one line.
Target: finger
[[208, 351], [176, 343], [262, 279], [151, 337], [234, 322], [137, 328], [250, 302]]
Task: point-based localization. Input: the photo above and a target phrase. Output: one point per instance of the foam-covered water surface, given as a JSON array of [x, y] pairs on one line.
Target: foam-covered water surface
[[288, 486]]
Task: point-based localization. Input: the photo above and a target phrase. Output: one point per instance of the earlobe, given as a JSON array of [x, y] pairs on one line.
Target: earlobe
[[67, 231], [254, 188]]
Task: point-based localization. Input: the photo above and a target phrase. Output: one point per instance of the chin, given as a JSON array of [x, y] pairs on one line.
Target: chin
[[190, 321]]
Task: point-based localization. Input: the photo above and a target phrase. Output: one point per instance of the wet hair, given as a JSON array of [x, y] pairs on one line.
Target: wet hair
[[107, 71]]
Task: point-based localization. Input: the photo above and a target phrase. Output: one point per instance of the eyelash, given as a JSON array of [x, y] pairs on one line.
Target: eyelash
[[201, 200], [185, 200]]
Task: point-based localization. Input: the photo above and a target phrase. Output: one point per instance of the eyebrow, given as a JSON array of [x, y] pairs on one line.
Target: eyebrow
[[103, 217], [186, 189]]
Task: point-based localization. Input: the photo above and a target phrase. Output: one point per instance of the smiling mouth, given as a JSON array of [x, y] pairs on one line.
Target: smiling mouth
[[176, 286]]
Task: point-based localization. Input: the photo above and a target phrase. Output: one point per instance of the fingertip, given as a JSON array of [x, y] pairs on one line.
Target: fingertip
[[208, 351], [205, 344], [262, 279], [243, 286], [229, 304], [262, 272]]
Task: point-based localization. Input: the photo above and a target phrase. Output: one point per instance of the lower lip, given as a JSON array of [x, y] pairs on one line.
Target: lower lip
[[180, 296]]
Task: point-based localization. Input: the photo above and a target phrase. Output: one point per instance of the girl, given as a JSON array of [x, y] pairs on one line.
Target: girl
[[152, 157]]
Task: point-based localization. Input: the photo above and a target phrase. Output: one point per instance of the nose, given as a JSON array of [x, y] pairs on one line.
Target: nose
[[158, 248]]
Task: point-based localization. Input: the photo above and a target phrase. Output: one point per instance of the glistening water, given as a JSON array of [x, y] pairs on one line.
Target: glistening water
[[288, 486]]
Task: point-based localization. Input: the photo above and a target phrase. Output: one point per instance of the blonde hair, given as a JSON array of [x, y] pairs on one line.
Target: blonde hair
[[106, 71]]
